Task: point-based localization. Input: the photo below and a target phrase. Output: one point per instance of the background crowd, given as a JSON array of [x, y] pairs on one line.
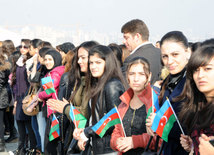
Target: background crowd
[[95, 78]]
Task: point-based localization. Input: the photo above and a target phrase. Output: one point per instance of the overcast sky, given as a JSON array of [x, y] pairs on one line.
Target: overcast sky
[[193, 17]]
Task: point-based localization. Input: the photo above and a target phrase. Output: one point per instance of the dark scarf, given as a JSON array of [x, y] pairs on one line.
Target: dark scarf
[[56, 57], [174, 80]]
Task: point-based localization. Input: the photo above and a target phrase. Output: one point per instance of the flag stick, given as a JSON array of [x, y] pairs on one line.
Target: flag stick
[[176, 117], [75, 123], [152, 102], [120, 121], [53, 86]]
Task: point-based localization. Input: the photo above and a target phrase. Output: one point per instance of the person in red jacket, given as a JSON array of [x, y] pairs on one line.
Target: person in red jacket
[[133, 111]]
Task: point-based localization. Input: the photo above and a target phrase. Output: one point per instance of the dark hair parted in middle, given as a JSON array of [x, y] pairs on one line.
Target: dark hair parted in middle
[[175, 36], [111, 70], [144, 62]]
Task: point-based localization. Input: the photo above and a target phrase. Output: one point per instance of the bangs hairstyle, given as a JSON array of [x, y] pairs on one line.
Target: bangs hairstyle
[[196, 111], [201, 57], [140, 60]]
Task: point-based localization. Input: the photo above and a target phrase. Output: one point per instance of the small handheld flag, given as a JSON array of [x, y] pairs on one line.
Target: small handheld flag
[[54, 131], [154, 104], [47, 84], [164, 121], [110, 119], [78, 119]]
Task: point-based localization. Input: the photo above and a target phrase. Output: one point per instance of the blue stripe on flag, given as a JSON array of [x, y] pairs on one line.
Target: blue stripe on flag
[[155, 100], [159, 115], [71, 113], [97, 126]]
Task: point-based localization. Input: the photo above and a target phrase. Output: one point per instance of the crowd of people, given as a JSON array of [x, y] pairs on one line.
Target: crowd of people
[[95, 78]]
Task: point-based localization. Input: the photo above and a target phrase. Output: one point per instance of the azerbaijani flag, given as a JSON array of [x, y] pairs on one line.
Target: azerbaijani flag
[[78, 119], [151, 98], [110, 119], [164, 120], [54, 131], [47, 84]]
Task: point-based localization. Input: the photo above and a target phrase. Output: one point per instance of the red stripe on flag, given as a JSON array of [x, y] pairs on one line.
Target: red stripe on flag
[[112, 117], [55, 134], [76, 112], [163, 121], [55, 122], [48, 85]]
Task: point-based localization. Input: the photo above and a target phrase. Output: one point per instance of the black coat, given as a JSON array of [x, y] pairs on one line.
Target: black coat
[[65, 87], [173, 145], [152, 54], [4, 85], [113, 89]]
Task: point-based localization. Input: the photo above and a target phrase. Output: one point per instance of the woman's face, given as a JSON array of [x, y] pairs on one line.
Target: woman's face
[[24, 49], [174, 56], [49, 62], [137, 77], [96, 65], [203, 78], [83, 59], [32, 50]]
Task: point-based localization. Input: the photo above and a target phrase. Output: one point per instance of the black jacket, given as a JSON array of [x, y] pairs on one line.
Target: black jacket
[[4, 85], [152, 54], [110, 97], [65, 87]]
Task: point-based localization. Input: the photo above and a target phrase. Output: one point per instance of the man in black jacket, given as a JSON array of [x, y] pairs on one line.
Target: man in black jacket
[[136, 36]]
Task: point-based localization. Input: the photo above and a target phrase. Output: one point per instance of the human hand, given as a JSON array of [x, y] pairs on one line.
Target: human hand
[[205, 148], [150, 120], [124, 144], [186, 142], [57, 105], [81, 144], [76, 133], [150, 131]]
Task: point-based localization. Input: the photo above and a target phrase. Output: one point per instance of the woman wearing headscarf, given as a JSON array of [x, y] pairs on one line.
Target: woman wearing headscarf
[[53, 63]]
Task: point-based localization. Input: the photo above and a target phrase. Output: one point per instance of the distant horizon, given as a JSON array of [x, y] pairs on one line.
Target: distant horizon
[[192, 17]]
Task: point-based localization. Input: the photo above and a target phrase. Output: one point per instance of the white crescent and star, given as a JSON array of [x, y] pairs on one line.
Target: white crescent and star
[[45, 87], [165, 121], [107, 121]]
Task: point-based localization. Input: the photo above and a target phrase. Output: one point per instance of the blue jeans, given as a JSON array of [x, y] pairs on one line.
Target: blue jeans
[[42, 125]]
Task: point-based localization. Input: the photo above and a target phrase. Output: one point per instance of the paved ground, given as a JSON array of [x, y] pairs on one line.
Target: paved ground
[[10, 147]]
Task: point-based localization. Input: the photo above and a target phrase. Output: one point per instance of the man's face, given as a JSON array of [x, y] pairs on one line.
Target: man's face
[[130, 41]]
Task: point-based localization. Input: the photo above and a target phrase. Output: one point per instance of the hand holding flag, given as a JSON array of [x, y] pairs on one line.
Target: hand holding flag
[[164, 121], [47, 84], [78, 119], [110, 119]]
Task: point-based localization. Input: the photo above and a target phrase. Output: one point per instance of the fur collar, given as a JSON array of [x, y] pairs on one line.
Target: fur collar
[[5, 66]]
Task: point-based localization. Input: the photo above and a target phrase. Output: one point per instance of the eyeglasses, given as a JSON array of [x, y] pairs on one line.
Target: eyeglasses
[[25, 47]]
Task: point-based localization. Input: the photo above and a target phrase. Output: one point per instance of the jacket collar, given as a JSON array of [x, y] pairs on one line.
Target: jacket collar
[[145, 96]]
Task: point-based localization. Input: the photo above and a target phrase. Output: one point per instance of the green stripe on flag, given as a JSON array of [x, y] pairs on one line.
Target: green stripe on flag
[[168, 127], [79, 117], [50, 90], [109, 124], [54, 128], [82, 124], [149, 112]]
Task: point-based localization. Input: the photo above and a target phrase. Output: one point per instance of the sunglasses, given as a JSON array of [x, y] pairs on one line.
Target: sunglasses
[[25, 47]]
